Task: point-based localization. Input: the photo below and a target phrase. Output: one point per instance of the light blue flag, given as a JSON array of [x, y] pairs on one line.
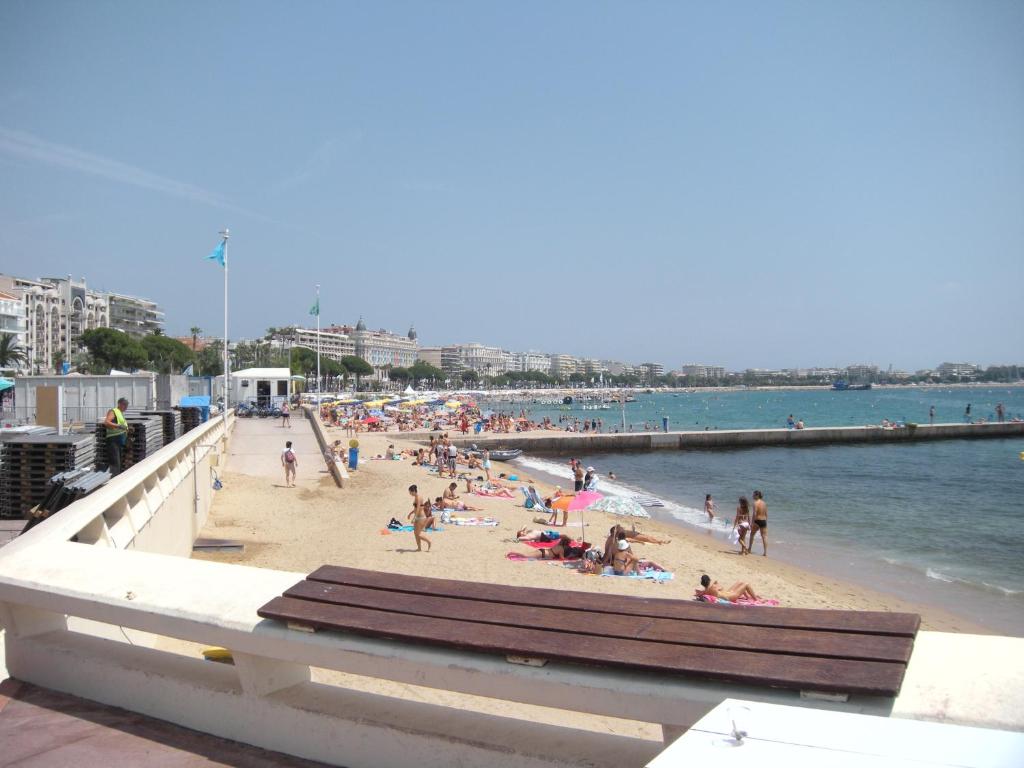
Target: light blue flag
[[218, 253]]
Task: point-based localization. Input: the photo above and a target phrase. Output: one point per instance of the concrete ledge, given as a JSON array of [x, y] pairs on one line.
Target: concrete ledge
[[585, 443], [339, 473]]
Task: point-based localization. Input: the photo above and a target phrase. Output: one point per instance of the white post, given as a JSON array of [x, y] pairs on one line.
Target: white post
[[227, 389], [318, 342]]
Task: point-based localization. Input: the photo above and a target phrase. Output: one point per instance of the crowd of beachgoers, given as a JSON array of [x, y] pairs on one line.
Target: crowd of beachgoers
[[471, 474]]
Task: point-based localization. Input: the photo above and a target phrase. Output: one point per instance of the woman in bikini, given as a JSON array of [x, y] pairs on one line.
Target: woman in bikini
[[741, 524], [450, 500], [421, 518], [732, 594]]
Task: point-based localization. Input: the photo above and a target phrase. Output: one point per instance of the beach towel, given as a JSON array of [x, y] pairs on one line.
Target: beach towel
[[760, 602], [651, 574], [479, 521], [519, 557], [407, 529], [548, 544]]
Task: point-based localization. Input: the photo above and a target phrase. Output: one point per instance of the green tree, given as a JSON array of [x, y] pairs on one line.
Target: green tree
[[111, 348], [469, 376], [167, 355], [422, 371], [196, 332], [398, 373], [11, 354], [210, 359], [357, 367]]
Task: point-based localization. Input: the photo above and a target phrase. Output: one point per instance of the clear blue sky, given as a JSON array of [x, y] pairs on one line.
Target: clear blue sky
[[750, 184]]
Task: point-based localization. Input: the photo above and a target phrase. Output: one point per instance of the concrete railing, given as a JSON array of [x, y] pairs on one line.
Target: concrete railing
[[337, 470], [585, 443]]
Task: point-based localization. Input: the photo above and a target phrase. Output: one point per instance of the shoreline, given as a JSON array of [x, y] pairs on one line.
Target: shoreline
[[301, 528]]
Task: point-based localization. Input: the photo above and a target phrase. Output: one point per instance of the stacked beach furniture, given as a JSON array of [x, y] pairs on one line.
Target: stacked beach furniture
[[191, 416], [145, 437], [66, 488], [172, 423], [29, 461]]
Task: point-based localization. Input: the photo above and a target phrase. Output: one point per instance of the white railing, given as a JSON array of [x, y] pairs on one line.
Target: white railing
[[90, 598]]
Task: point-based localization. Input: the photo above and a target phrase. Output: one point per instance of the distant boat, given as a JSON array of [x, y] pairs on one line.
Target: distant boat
[[841, 385]]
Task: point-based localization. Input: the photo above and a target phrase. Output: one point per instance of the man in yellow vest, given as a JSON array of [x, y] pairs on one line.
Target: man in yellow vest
[[117, 434]]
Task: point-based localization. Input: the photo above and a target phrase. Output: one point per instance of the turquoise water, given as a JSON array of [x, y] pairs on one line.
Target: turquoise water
[[756, 409], [937, 522]]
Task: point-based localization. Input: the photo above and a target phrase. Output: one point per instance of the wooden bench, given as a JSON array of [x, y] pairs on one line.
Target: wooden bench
[[825, 652]]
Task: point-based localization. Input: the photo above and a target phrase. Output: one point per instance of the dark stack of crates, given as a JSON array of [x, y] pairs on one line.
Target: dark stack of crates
[[102, 452], [145, 437], [64, 489], [191, 416], [172, 424], [29, 461]]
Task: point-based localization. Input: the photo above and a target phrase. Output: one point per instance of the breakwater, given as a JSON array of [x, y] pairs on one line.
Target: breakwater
[[555, 442]]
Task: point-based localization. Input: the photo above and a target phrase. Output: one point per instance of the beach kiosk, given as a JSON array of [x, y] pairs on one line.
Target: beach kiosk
[[263, 386]]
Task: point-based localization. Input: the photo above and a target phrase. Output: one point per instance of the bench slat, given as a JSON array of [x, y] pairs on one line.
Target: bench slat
[[801, 673], [870, 622], [678, 631]]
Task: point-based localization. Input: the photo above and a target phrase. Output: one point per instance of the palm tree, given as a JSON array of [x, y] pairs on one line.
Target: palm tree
[[196, 332], [10, 353]]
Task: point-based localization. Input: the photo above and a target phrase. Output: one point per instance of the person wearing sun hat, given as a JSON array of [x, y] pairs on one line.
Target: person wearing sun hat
[[590, 480], [624, 561]]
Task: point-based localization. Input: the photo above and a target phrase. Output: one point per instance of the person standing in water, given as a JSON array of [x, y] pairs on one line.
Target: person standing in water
[[709, 508], [760, 523], [931, 415]]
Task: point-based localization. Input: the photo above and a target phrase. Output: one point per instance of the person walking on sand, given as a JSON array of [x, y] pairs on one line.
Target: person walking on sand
[[741, 524], [487, 464], [286, 416], [421, 518], [709, 508], [290, 462], [760, 523]]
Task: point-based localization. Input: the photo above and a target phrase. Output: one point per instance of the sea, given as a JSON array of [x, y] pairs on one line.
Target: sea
[[932, 522]]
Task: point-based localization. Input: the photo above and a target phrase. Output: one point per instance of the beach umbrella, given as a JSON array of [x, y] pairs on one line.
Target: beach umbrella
[[370, 420], [579, 501], [5, 384], [619, 505]]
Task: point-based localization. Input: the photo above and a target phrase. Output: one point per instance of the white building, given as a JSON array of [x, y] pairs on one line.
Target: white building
[[957, 370], [264, 386], [136, 317], [332, 345], [58, 310], [700, 371], [651, 371], [484, 360], [534, 361], [430, 356], [12, 322], [563, 366]]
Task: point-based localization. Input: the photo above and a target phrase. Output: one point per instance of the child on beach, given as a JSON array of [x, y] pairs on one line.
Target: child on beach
[[709, 508]]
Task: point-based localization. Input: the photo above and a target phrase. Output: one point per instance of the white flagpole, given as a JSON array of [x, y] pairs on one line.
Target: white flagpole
[[227, 389], [318, 341]]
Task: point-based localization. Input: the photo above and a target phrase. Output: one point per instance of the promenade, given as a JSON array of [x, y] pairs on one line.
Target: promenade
[[558, 442], [256, 450]]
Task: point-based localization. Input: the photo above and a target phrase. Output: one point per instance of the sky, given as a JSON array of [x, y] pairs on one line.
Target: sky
[[748, 184]]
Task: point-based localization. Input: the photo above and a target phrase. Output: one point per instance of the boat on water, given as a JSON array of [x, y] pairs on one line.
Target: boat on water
[[498, 454], [841, 385]]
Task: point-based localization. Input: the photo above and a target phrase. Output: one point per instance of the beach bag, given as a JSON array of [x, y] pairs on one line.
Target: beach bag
[[528, 504], [446, 516], [289, 457]]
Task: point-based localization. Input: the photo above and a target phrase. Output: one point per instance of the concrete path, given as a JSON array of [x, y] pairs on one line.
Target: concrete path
[[256, 445], [40, 728]]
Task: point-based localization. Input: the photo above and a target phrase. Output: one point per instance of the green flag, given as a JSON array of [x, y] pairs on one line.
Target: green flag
[[315, 309]]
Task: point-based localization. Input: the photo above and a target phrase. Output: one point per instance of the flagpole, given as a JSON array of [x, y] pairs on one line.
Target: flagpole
[[227, 389], [318, 341]]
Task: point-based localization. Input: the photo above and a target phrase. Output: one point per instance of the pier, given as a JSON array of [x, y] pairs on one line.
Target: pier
[[552, 442]]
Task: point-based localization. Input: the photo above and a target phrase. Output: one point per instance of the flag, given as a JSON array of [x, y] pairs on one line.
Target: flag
[[188, 370], [218, 254], [315, 309]]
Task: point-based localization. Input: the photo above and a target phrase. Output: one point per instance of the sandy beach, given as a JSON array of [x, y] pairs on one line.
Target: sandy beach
[[302, 528]]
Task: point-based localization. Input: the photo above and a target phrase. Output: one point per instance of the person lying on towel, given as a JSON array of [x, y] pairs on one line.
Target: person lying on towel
[[713, 589]]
